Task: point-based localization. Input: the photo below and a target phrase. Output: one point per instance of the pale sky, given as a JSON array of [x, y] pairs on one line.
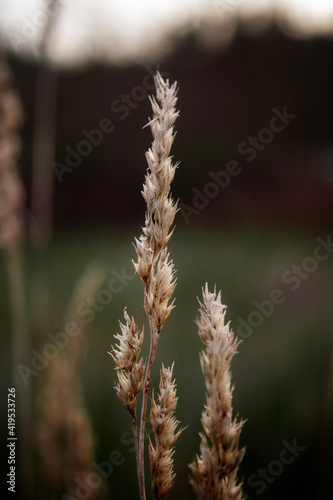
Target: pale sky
[[121, 30]]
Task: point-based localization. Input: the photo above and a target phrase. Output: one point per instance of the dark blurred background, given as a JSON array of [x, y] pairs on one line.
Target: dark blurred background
[[83, 73]]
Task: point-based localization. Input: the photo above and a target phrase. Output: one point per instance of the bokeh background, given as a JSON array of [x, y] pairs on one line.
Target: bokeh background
[[84, 66]]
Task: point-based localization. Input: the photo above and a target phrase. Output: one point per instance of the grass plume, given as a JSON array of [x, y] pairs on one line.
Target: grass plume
[[164, 425], [214, 470]]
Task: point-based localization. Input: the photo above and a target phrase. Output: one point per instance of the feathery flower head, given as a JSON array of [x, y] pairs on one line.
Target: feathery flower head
[[130, 343], [161, 209], [215, 469], [164, 425], [130, 371]]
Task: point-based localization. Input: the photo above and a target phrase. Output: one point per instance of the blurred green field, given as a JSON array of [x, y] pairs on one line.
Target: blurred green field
[[280, 374]]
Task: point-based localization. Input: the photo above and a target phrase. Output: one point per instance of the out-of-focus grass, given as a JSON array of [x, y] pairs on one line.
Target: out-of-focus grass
[[280, 373]]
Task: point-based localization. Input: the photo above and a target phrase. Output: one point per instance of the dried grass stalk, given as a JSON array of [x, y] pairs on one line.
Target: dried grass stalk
[[153, 263], [154, 266], [215, 469]]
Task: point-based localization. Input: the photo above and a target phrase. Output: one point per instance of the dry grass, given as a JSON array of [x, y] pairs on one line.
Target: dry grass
[[64, 435], [215, 471], [157, 273], [164, 426]]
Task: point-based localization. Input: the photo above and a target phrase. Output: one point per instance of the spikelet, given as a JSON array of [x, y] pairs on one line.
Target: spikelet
[[130, 371], [160, 291], [164, 425], [215, 469]]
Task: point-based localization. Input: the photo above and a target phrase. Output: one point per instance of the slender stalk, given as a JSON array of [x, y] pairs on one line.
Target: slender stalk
[[136, 439], [135, 434], [141, 464]]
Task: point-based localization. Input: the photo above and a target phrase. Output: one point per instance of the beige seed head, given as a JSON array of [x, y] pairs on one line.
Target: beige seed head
[[215, 469], [130, 371], [164, 425], [130, 342], [161, 209]]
